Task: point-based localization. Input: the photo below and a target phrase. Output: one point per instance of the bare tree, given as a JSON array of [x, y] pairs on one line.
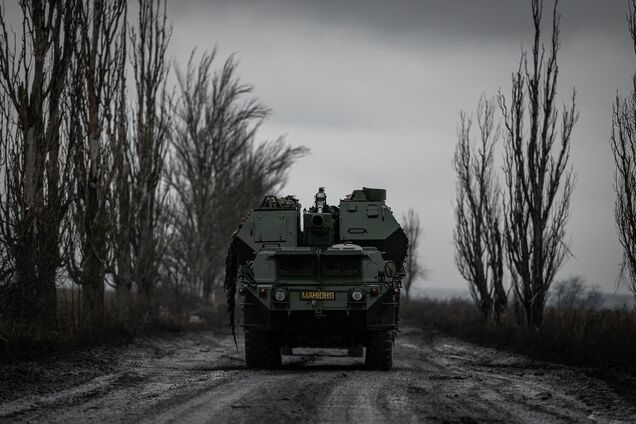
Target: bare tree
[[413, 268], [9, 157], [539, 180], [218, 172], [92, 104], [573, 293], [122, 213], [623, 147], [477, 234], [150, 130], [33, 77], [495, 247]]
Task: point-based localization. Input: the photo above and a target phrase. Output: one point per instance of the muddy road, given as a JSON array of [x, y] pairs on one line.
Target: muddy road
[[200, 378]]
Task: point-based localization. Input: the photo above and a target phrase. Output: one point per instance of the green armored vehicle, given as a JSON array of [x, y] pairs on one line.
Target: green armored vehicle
[[330, 280]]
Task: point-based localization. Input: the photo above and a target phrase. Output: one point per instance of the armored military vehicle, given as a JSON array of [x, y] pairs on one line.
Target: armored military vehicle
[[331, 279]]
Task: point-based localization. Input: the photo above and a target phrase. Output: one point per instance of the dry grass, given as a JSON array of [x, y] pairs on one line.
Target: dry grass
[[577, 336], [189, 314]]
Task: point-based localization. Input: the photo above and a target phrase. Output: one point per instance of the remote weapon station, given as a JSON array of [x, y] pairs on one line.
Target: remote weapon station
[[330, 281]]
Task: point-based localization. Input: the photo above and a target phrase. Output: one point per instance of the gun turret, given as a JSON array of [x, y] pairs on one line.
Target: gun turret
[[362, 218]]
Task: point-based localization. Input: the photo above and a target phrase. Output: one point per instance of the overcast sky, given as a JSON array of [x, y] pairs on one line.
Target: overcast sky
[[374, 89]]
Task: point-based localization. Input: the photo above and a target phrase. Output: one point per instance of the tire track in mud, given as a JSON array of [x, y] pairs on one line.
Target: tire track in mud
[[352, 401], [368, 397], [450, 382], [144, 373], [465, 382], [201, 378], [288, 395], [216, 404], [409, 393], [379, 396]]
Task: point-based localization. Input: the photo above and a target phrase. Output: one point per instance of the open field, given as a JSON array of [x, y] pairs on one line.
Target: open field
[[580, 336]]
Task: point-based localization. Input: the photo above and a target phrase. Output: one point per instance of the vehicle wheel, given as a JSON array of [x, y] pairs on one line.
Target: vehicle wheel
[[380, 351], [261, 350]]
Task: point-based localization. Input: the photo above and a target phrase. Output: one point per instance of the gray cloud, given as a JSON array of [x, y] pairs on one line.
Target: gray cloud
[[373, 88], [468, 19]]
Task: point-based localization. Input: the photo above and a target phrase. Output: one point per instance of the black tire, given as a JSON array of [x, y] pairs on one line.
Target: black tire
[[262, 350], [380, 351]]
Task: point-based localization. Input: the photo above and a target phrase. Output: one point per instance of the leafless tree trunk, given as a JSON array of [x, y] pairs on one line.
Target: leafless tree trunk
[[538, 176], [92, 104], [150, 134], [477, 234], [10, 153], [413, 268], [122, 212], [217, 172], [33, 75], [623, 146], [495, 248]]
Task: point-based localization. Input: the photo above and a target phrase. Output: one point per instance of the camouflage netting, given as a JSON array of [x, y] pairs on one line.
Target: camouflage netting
[[239, 254]]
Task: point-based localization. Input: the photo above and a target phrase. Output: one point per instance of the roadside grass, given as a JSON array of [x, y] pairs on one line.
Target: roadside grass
[[578, 336], [171, 314]]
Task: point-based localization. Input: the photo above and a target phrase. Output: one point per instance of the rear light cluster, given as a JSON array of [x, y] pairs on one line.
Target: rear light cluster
[[280, 295], [357, 295]]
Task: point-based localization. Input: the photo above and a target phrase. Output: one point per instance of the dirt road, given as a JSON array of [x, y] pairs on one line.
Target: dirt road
[[200, 378]]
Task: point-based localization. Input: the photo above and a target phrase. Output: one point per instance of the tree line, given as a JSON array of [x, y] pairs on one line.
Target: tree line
[[110, 178], [623, 148], [521, 225]]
